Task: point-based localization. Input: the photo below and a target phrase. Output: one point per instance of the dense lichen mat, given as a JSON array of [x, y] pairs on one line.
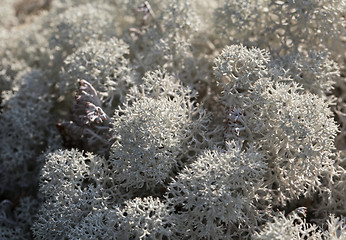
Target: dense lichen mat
[[177, 119]]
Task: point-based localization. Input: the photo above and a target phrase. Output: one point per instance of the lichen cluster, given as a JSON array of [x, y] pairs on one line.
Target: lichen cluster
[[208, 119]]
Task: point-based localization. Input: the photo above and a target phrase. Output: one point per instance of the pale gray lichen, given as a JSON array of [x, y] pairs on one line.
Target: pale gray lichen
[[73, 185], [104, 65], [218, 193], [144, 218], [170, 120], [293, 128], [297, 133], [159, 129], [295, 226]]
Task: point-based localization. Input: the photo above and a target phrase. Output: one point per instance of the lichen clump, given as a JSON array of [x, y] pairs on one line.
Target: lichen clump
[[209, 119]]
